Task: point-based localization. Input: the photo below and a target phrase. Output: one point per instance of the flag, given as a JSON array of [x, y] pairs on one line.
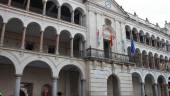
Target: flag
[[132, 48]]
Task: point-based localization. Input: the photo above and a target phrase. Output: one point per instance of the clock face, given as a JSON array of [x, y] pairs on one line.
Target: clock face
[[108, 4]]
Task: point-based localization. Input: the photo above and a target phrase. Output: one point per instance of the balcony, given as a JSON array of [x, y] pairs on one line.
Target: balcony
[[100, 55]]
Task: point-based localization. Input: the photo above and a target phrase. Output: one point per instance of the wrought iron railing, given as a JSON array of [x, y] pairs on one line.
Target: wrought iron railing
[[100, 55]]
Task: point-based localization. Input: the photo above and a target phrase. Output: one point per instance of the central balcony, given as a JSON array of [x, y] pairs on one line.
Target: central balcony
[[110, 57]]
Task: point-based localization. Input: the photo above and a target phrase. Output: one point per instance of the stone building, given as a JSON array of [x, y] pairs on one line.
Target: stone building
[[80, 48]]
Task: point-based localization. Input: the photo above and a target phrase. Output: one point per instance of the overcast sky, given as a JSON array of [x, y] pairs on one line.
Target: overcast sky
[[154, 10]]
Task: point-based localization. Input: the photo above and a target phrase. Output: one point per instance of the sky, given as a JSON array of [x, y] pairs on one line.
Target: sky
[[157, 11]]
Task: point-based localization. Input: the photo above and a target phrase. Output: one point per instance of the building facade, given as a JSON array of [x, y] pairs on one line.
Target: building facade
[[80, 48]]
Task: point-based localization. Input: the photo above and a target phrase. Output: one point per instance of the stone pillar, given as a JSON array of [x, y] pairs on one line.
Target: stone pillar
[[167, 92], [142, 89], [41, 41], [2, 34], [17, 85], [57, 44], [54, 87], [28, 5], [59, 12], [155, 89], [23, 38], [71, 47], [72, 17], [83, 87], [9, 2], [44, 7]]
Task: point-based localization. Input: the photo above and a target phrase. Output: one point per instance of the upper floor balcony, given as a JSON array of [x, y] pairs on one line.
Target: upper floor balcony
[[149, 40], [65, 11]]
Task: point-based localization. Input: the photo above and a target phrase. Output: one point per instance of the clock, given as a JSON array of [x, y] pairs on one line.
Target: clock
[[108, 4]]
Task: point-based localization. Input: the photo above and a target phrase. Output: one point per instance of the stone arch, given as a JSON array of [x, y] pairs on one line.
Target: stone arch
[[135, 34], [66, 12], [167, 45], [113, 90], [141, 36], [52, 8], [158, 42], [78, 45], [150, 75], [65, 43], [78, 66], [153, 40], [151, 60], [79, 16], [149, 82], [147, 36], [163, 44], [156, 58], [69, 5], [13, 33], [49, 42], [48, 62], [144, 59], [55, 2], [15, 61], [161, 81], [138, 57], [136, 80], [128, 31], [32, 40]]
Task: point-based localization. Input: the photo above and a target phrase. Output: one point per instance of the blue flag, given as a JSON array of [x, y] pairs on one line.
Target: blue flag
[[132, 48]]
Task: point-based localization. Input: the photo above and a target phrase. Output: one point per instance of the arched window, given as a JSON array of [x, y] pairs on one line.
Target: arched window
[[49, 42], [167, 45], [138, 57], [147, 39], [13, 33], [78, 16], [78, 46], [66, 12], [135, 34], [32, 40], [163, 44], [158, 42], [162, 62], [113, 86], [141, 36], [128, 32], [51, 9], [157, 60], [64, 43], [153, 40], [145, 59], [151, 60]]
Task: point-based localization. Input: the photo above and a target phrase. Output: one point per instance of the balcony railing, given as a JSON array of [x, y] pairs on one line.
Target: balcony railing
[[100, 55]]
